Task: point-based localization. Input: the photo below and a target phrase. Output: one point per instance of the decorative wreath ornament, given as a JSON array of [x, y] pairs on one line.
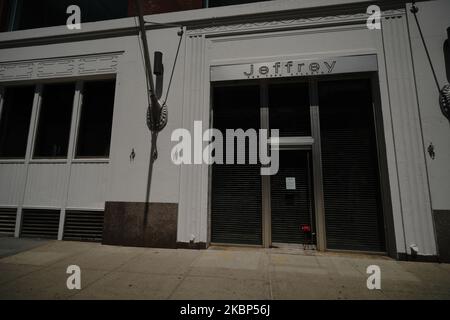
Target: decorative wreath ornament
[[162, 121], [156, 110], [444, 100]]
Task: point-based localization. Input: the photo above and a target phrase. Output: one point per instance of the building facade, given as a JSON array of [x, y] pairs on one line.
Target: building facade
[[363, 144]]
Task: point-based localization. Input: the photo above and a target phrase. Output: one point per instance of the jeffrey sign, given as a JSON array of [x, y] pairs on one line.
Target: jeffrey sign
[[294, 68], [289, 68]]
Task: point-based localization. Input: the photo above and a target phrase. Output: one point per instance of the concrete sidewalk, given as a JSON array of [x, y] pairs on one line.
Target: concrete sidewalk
[[109, 272]]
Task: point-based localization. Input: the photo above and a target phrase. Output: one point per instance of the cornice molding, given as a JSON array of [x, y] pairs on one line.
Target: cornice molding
[[203, 21], [296, 23]]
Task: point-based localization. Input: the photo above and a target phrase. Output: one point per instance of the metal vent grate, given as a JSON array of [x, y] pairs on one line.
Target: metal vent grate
[[7, 221], [84, 226], [236, 204], [40, 224]]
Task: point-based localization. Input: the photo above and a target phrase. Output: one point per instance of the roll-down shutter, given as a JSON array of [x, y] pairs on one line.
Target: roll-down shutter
[[353, 211], [236, 205]]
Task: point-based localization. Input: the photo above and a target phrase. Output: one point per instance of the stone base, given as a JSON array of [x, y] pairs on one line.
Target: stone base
[[194, 245], [419, 258], [442, 225], [138, 224]]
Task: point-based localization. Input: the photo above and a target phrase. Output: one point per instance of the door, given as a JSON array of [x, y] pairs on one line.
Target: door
[[236, 200], [292, 199]]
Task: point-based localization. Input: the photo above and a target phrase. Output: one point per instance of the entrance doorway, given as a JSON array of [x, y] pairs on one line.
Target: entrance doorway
[[327, 191], [292, 209]]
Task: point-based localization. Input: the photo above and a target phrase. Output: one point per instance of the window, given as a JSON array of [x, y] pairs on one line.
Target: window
[[220, 3], [94, 131], [31, 14], [15, 121], [53, 130]]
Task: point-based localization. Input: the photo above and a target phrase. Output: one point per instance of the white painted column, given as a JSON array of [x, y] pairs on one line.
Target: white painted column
[[413, 181], [193, 205]]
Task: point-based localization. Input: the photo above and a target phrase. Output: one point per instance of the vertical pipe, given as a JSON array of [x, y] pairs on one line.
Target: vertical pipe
[[265, 179]]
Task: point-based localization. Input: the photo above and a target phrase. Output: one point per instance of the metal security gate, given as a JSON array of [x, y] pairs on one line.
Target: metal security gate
[[236, 206], [291, 199], [330, 174], [353, 207]]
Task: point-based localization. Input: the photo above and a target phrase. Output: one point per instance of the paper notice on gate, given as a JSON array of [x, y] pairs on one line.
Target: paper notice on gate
[[290, 183]]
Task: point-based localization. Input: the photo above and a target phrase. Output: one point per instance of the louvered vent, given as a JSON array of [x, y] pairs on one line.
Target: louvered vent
[[84, 226], [40, 224], [7, 221]]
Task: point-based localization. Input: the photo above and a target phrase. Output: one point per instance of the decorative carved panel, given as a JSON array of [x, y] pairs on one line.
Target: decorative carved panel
[[59, 67]]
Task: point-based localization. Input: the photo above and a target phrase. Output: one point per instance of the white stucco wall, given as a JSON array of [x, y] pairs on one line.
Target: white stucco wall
[[434, 19]]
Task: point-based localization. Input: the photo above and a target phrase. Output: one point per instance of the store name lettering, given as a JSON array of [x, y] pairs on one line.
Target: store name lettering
[[290, 68]]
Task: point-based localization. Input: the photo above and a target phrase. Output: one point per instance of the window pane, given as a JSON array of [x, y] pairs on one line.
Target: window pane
[[52, 139], [46, 13], [15, 121], [94, 132], [289, 109]]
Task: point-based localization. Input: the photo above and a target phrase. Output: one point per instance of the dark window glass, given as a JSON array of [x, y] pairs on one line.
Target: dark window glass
[[15, 121], [220, 3], [94, 132], [162, 6], [55, 116], [46, 13], [289, 109], [5, 12]]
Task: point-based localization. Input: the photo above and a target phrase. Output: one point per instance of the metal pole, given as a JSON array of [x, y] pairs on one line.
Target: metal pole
[[148, 65]]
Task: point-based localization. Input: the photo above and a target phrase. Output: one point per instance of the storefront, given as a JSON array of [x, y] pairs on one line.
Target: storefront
[[327, 190], [353, 171]]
